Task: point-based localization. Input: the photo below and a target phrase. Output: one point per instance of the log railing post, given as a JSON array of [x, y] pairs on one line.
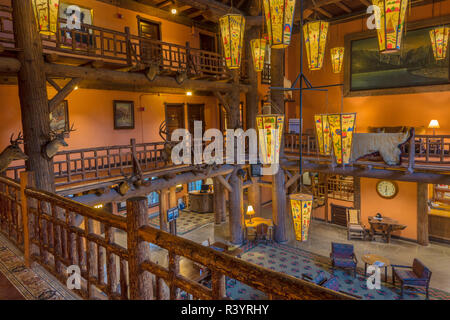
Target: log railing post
[[140, 282], [128, 46], [412, 151], [219, 201], [25, 180]]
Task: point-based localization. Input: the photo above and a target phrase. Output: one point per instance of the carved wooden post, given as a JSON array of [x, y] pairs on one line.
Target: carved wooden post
[[33, 93], [140, 282], [219, 201], [422, 214]]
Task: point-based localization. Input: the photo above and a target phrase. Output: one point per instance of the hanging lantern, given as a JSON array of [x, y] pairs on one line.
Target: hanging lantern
[[342, 126], [323, 134], [232, 28], [439, 42], [390, 23], [280, 19], [301, 206], [315, 34], [46, 13], [337, 59], [270, 126], [258, 53]]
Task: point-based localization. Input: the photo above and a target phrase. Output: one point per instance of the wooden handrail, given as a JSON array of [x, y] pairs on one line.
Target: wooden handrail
[[63, 233]]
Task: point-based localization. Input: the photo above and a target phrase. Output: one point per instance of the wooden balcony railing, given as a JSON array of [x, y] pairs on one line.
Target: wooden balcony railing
[[59, 233], [291, 143], [6, 27], [430, 149], [91, 164]]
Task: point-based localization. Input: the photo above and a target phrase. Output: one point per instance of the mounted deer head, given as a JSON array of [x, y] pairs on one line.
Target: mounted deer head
[[57, 140], [168, 145], [12, 152]]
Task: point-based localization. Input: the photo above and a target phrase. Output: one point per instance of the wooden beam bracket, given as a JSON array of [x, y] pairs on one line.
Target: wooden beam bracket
[[63, 93]]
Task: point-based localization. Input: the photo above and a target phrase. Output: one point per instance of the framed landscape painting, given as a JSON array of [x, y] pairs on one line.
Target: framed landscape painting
[[59, 118], [123, 114], [413, 69]]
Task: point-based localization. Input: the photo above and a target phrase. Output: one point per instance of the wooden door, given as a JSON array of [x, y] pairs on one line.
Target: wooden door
[[338, 215], [196, 112], [174, 117], [151, 51]]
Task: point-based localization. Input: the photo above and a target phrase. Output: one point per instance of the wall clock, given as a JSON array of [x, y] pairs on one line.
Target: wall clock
[[387, 189]]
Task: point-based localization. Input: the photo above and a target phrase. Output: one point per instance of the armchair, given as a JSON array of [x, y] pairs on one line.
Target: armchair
[[343, 256], [416, 275]]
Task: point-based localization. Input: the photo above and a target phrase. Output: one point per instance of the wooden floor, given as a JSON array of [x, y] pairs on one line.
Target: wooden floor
[[8, 291]]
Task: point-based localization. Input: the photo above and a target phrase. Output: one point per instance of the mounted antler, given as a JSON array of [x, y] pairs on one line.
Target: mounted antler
[[57, 141], [17, 141], [12, 152]]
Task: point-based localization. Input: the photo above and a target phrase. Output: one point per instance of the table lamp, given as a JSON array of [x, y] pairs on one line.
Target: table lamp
[[434, 124], [250, 212]]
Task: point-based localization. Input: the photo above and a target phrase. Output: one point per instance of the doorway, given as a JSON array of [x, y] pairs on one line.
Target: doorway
[[150, 50], [196, 112], [208, 43], [174, 117]]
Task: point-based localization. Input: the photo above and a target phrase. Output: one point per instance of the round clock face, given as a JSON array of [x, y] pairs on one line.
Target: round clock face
[[387, 189]]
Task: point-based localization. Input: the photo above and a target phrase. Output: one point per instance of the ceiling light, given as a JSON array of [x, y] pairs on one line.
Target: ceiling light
[[189, 93], [174, 11]]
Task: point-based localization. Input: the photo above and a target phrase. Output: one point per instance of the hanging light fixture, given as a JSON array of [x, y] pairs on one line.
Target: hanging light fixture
[[337, 59], [342, 127], [269, 126], [439, 41], [232, 28], [258, 53], [315, 34], [46, 13], [279, 19], [301, 206], [323, 134], [390, 23]]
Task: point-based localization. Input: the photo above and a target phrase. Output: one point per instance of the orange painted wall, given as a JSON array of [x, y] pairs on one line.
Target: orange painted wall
[[388, 110], [402, 208]]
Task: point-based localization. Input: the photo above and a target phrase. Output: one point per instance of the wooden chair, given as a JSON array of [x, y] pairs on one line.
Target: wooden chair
[[262, 232], [416, 275], [355, 229]]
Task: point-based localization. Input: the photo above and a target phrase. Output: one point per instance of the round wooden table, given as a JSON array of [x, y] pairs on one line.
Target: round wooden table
[[370, 259]]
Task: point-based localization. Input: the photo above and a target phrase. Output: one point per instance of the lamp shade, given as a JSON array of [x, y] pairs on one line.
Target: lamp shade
[[439, 42], [301, 206], [250, 211], [434, 124], [46, 13], [323, 134], [269, 126], [232, 28], [258, 53], [390, 23], [342, 127], [337, 59], [315, 34], [280, 19]]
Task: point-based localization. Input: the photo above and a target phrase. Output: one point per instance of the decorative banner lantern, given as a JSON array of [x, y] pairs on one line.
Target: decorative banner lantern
[[232, 28], [301, 206], [337, 59], [315, 34], [46, 13], [323, 134], [390, 23], [269, 126], [342, 127], [439, 42], [280, 19], [258, 53]]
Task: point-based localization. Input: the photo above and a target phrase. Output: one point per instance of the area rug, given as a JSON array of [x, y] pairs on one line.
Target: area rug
[[295, 262], [188, 221], [34, 283]]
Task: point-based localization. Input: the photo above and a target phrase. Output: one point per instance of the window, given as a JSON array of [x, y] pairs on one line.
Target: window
[[195, 186], [153, 199]]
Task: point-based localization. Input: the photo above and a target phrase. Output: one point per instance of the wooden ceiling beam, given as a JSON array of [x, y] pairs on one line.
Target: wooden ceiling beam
[[164, 4], [195, 14], [324, 12], [343, 7]]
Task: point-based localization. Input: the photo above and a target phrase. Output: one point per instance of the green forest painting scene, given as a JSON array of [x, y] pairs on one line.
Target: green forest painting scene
[[414, 65]]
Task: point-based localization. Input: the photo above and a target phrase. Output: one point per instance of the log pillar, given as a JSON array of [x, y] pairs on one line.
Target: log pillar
[[357, 193], [141, 287], [422, 214], [33, 94], [219, 201], [283, 229], [236, 204], [172, 204], [163, 207]]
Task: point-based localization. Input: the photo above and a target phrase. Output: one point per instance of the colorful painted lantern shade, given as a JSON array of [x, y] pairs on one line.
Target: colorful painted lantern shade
[[342, 127], [270, 127], [390, 23], [315, 34], [301, 206], [279, 19], [439, 42], [337, 59], [258, 53], [46, 13], [232, 28], [323, 134]]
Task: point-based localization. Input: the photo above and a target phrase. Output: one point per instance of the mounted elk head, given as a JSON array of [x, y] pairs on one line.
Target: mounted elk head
[[57, 140], [152, 71], [12, 152], [168, 145]]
